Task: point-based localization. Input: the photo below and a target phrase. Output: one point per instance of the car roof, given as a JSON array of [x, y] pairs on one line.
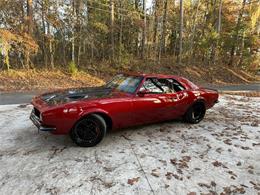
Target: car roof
[[154, 75], [183, 81]]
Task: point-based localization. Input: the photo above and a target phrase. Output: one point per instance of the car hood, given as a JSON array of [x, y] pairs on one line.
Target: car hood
[[64, 96]]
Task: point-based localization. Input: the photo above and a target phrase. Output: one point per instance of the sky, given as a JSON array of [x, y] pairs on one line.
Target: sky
[[148, 3]]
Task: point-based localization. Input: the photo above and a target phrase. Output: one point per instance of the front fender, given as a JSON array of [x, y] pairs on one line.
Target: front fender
[[90, 111]]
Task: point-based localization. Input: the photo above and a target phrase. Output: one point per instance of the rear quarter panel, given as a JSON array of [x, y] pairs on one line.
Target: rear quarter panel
[[210, 97]]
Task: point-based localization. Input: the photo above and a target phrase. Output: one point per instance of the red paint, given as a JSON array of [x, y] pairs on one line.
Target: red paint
[[126, 109]]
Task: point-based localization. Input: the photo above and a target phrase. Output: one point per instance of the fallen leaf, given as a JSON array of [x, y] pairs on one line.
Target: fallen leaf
[[239, 163], [186, 158], [212, 183], [245, 148], [204, 185], [166, 185], [174, 161], [250, 171], [256, 144], [227, 141], [133, 180], [217, 164], [168, 175], [155, 173]]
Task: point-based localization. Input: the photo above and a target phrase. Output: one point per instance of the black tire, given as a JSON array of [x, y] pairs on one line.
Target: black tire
[[195, 113], [89, 131]]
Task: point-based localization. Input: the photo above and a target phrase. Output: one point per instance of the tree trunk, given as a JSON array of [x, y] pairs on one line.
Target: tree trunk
[[137, 32], [159, 53], [156, 12], [29, 17], [242, 50], [219, 16], [50, 46], [112, 28], [214, 43], [73, 33], [236, 38], [29, 11], [144, 31], [120, 34], [180, 32], [193, 32], [78, 9], [162, 45], [44, 52], [173, 33]]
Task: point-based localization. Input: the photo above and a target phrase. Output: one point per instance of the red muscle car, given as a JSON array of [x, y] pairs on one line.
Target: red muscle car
[[127, 100]]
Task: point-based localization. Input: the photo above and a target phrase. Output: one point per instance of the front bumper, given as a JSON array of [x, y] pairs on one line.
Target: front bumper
[[36, 121]]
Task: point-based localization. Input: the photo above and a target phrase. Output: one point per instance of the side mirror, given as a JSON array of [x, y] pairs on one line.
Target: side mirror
[[142, 93]]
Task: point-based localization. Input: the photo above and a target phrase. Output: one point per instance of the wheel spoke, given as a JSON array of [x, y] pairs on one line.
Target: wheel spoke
[[193, 114], [87, 130]]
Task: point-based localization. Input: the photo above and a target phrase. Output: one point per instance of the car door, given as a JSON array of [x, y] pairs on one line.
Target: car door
[[150, 103], [177, 98]]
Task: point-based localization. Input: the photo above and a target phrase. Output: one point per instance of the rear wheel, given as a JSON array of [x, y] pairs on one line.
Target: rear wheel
[[89, 131], [195, 113]]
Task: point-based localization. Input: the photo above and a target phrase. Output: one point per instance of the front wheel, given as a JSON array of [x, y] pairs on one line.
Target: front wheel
[[89, 131], [195, 113]]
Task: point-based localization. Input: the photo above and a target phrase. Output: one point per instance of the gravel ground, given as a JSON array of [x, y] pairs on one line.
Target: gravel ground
[[219, 155]]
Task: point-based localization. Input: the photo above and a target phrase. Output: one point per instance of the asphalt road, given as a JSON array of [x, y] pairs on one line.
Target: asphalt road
[[248, 87], [25, 97]]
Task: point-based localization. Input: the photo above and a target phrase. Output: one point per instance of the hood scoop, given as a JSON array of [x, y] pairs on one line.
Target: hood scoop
[[77, 96]]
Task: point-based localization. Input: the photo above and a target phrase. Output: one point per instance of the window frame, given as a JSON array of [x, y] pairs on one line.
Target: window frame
[[158, 78]]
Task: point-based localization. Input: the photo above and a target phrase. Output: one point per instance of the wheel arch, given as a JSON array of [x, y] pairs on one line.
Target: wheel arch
[[197, 101], [200, 101], [103, 114]]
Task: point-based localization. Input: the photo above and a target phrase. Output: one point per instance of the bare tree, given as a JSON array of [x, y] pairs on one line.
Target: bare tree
[[112, 13], [193, 31], [144, 31], [180, 32], [236, 37], [162, 45], [219, 16], [29, 19]]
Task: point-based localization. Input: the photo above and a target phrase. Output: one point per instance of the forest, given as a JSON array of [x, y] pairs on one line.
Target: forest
[[82, 34]]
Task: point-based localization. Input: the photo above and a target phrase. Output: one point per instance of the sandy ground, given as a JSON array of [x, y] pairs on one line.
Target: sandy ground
[[219, 155]]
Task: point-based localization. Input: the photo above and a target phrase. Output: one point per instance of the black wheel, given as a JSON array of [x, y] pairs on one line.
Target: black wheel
[[195, 113], [89, 131]]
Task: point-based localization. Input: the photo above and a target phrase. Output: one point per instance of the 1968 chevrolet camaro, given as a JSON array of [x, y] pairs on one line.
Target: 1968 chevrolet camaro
[[86, 114]]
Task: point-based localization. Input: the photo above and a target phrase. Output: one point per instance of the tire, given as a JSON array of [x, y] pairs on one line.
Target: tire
[[89, 131], [195, 113]]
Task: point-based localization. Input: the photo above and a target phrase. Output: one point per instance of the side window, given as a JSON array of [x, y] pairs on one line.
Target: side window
[[177, 86], [170, 85], [151, 86], [154, 85], [166, 84]]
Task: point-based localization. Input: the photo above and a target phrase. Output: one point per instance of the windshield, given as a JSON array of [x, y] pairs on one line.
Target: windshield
[[125, 83]]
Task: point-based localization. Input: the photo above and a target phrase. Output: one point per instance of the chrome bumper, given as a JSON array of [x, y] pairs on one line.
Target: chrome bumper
[[37, 123]]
